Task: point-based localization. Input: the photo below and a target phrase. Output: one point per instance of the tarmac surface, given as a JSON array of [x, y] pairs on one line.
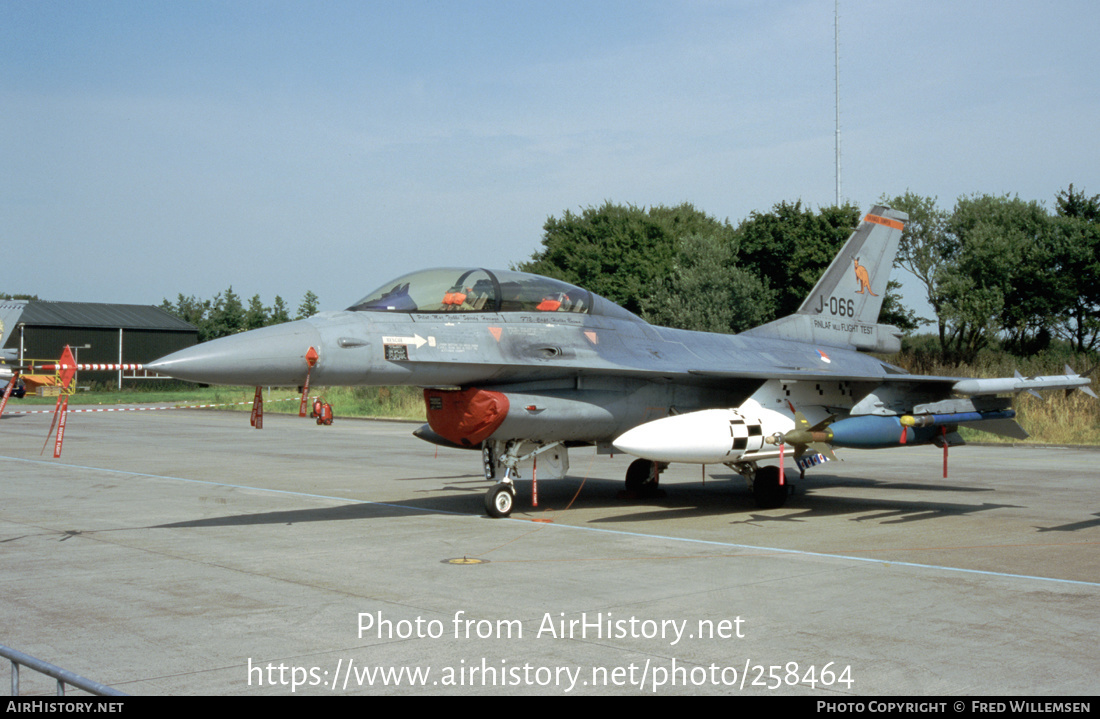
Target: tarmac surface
[[182, 552]]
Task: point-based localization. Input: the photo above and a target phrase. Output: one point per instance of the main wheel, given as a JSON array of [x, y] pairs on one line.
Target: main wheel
[[639, 474], [766, 489], [643, 478], [499, 500]]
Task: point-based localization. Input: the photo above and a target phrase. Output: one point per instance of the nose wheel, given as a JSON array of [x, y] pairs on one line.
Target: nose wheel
[[500, 499]]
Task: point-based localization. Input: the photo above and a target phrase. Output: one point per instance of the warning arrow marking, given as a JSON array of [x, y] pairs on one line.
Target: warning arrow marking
[[416, 340]]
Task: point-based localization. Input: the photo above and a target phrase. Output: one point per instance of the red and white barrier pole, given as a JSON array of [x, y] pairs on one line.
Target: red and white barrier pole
[[63, 366], [66, 369]]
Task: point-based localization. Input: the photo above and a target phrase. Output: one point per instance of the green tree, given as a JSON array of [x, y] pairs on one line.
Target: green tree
[[989, 268], [279, 312], [924, 247], [706, 292], [894, 313], [226, 315], [256, 315], [791, 246], [624, 253], [996, 278], [1074, 272], [308, 308], [192, 310], [1078, 205]]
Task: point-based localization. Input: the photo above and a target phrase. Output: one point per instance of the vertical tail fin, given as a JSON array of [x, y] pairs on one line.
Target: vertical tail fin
[[10, 310], [842, 309]]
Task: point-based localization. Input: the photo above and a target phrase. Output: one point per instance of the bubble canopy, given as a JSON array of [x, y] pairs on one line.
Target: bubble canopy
[[464, 289]]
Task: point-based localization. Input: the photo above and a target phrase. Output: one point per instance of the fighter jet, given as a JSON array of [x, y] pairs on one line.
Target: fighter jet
[[10, 384], [9, 378], [524, 367]]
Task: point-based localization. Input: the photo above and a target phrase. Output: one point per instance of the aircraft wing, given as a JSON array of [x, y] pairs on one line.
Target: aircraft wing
[[966, 386]]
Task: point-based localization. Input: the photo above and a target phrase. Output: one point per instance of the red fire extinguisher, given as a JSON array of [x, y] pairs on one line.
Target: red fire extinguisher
[[322, 410]]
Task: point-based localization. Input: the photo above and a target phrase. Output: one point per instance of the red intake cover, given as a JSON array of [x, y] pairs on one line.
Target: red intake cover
[[466, 416]]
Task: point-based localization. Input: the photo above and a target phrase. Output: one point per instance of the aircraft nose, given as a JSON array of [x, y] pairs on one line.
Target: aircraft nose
[[274, 356]]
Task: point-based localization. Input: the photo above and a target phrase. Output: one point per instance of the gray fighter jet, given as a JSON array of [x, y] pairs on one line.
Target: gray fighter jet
[[523, 367]]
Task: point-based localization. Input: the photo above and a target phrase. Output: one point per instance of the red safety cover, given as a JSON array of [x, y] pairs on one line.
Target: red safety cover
[[466, 416], [69, 363]]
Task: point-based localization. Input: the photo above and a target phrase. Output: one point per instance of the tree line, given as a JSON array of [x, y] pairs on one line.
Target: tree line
[[679, 267], [996, 269], [226, 314]]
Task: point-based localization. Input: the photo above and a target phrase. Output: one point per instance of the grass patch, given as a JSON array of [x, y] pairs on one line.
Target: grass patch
[[1053, 419], [384, 402]]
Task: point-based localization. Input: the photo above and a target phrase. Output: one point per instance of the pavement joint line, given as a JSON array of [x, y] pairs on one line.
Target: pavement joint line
[[711, 542]]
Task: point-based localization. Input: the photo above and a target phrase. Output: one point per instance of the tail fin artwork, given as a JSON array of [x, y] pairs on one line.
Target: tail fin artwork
[[842, 309]]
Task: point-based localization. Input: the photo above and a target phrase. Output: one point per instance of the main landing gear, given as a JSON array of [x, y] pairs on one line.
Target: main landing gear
[[764, 481], [643, 478]]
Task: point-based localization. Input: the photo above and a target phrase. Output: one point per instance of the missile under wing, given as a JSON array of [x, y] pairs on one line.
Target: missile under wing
[[521, 366]]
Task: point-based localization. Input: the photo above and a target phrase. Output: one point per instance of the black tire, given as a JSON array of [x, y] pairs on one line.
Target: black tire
[[500, 500], [640, 475], [766, 490], [643, 480]]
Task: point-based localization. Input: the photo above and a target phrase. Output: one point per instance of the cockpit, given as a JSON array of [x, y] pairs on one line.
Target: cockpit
[[458, 289]]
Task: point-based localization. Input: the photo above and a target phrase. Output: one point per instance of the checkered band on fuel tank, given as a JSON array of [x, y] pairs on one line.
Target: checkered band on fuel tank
[[746, 434]]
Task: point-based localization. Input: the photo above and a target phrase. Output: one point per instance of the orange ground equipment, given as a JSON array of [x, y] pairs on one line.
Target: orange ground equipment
[[322, 411]]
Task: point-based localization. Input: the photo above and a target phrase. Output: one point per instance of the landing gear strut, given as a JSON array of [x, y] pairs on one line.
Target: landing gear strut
[[507, 455]]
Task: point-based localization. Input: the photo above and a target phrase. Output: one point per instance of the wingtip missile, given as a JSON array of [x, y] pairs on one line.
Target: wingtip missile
[[1085, 387], [1004, 385]]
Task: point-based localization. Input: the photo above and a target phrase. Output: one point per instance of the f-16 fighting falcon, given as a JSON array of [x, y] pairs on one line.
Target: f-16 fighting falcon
[[520, 366]]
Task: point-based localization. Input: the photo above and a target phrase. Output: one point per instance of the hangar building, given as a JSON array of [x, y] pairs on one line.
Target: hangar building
[[35, 330]]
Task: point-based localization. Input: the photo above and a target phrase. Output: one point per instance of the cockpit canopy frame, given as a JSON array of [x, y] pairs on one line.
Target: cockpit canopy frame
[[474, 289]]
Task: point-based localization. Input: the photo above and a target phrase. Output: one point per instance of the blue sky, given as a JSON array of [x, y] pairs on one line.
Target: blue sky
[[149, 149]]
